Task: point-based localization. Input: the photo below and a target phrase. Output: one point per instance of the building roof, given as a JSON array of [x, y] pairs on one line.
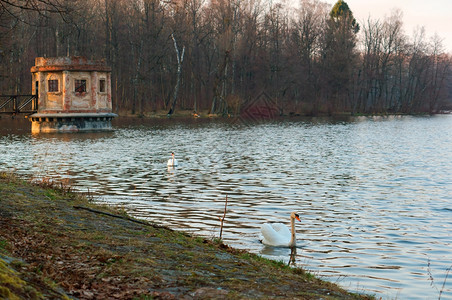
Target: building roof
[[66, 63]]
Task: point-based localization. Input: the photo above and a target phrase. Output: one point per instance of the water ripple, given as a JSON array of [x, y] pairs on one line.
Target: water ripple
[[374, 194]]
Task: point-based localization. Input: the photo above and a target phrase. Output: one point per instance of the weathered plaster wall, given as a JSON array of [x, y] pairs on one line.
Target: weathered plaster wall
[[80, 101], [54, 100]]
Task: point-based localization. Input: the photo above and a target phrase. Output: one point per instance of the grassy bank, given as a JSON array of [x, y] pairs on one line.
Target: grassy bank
[[55, 244]]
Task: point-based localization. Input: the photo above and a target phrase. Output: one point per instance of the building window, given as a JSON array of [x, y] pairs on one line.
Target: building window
[[102, 85], [80, 86], [53, 85]]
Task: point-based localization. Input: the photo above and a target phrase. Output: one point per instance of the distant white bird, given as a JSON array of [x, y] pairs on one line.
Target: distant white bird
[[278, 235], [172, 162]]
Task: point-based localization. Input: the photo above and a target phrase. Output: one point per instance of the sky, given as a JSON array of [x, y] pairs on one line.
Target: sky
[[434, 15]]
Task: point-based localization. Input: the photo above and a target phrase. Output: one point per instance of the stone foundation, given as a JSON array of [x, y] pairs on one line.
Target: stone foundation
[[71, 122]]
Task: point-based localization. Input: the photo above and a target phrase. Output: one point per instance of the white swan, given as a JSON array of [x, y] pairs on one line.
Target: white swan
[[277, 234], [172, 162]]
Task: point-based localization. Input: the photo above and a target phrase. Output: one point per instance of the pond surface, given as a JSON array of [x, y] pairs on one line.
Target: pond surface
[[374, 194]]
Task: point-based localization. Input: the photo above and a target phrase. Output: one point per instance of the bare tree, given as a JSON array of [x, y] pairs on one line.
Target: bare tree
[[223, 12], [305, 48], [19, 9], [307, 59], [180, 60], [439, 71]]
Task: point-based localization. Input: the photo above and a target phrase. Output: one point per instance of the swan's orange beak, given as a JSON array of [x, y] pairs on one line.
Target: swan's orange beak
[[297, 217]]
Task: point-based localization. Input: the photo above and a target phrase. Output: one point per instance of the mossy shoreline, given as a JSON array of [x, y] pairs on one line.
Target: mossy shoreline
[[56, 244]]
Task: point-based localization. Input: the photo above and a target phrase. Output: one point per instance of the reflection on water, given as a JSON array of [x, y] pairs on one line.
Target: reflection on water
[[374, 194]]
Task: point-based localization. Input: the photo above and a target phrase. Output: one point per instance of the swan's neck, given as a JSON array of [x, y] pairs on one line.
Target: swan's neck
[[293, 240]]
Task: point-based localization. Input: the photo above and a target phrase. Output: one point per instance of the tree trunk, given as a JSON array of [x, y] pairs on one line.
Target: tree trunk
[[180, 60]]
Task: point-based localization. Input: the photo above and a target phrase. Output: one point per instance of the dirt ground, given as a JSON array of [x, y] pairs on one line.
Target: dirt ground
[[55, 244]]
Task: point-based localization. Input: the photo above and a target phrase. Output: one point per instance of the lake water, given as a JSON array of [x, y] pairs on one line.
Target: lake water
[[374, 193]]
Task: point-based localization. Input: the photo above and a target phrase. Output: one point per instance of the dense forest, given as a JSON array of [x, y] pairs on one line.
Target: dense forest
[[214, 55]]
